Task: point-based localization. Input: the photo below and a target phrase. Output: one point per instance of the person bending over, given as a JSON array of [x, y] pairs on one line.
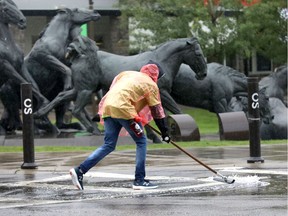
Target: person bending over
[[131, 100]]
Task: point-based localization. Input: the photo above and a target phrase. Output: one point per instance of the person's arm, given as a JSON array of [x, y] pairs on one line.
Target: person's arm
[[160, 120]]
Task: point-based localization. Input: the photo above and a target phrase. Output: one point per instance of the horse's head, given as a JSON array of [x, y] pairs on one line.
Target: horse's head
[[195, 58], [9, 13], [81, 46], [80, 16], [238, 103]]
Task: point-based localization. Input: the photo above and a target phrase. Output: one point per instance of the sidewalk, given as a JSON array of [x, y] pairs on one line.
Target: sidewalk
[[65, 139]]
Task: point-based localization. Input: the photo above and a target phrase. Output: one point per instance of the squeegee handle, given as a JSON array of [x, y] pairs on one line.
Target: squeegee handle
[[185, 152]]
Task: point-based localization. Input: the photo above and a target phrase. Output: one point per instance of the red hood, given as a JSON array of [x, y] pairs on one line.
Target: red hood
[[151, 70]]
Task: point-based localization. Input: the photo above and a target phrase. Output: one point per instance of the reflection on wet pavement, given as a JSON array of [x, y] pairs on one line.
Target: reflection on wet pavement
[[62, 190], [176, 174]]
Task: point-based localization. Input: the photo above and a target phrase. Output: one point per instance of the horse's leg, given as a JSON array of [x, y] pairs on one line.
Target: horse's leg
[[221, 106], [40, 99], [28, 77], [169, 103], [2, 131], [9, 95], [83, 98], [53, 64], [151, 135], [60, 111], [45, 124], [10, 120], [9, 71], [59, 99]]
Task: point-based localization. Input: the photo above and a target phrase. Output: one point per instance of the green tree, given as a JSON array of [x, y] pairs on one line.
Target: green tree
[[223, 27], [261, 28]]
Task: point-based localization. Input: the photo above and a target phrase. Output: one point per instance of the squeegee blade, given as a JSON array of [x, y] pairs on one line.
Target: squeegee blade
[[228, 180]]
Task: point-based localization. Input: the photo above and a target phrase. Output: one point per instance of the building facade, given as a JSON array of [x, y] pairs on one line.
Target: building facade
[[107, 32]]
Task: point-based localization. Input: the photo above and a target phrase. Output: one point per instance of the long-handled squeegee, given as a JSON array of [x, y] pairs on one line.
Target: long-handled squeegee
[[219, 177]]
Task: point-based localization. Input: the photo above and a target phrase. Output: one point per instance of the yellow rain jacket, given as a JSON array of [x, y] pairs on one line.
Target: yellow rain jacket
[[129, 93]]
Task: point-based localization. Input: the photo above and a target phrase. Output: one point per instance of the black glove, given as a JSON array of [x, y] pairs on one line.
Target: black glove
[[166, 138], [96, 118], [162, 125]]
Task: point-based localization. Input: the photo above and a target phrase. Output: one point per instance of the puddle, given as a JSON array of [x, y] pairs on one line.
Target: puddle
[[247, 185], [64, 190]]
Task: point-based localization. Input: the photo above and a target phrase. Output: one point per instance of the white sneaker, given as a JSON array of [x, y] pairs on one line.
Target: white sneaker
[[77, 178], [143, 185]]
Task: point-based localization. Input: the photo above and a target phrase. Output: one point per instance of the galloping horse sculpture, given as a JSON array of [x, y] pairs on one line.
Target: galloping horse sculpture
[[276, 84], [273, 104], [12, 69], [46, 62], [47, 57], [277, 128], [276, 89], [86, 75], [217, 91], [214, 92], [169, 56]]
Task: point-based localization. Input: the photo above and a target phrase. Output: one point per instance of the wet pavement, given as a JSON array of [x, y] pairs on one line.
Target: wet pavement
[[185, 187]]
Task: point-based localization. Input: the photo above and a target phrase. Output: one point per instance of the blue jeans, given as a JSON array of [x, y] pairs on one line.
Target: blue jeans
[[112, 129]]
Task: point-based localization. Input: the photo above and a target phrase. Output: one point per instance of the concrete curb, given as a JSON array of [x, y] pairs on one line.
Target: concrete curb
[[69, 141]]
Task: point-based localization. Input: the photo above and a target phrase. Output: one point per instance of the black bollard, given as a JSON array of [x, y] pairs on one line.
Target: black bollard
[[254, 121], [28, 127]]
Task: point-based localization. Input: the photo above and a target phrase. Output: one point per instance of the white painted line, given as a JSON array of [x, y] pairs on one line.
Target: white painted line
[[253, 171], [127, 176], [95, 175], [124, 191]]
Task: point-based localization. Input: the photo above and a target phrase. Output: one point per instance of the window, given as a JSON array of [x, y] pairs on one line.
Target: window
[[263, 64]]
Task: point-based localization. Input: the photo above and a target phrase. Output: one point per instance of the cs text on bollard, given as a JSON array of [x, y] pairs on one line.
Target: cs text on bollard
[[254, 121], [28, 127]]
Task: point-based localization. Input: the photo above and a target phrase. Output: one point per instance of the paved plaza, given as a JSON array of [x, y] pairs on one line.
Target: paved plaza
[[185, 187]]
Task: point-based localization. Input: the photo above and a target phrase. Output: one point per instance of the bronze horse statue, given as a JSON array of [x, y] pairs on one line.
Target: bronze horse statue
[[47, 56], [169, 55], [82, 53], [276, 84], [46, 61], [223, 90], [273, 100], [214, 92], [277, 128], [93, 75], [12, 69]]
